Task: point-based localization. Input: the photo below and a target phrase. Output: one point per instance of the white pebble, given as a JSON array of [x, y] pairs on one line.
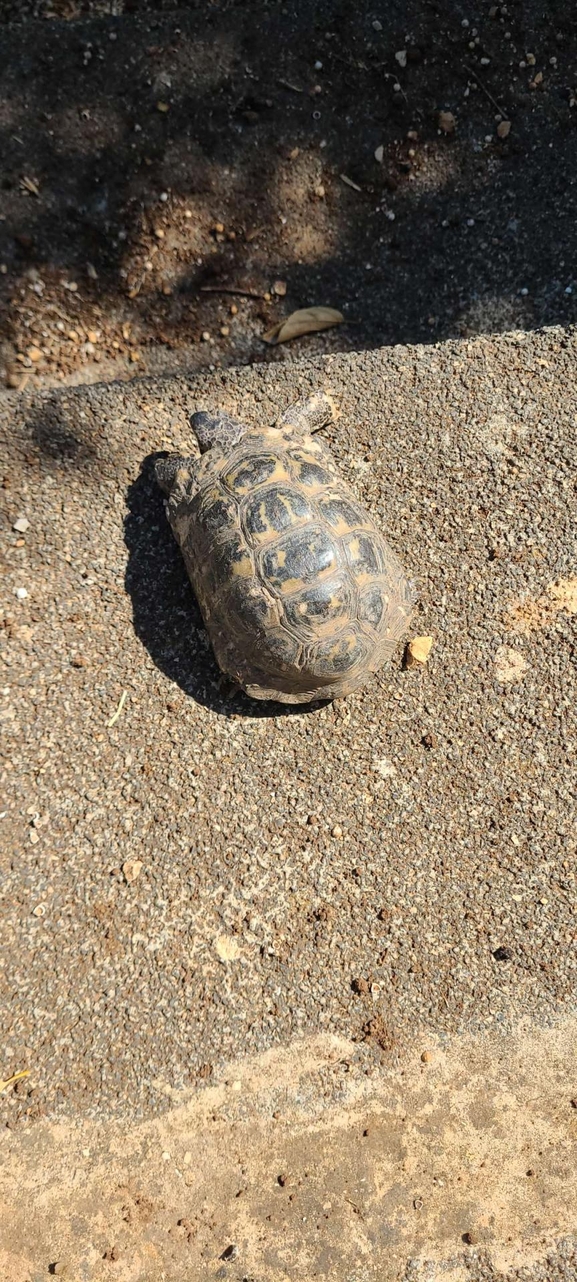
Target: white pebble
[[21, 525], [164, 196], [569, 289], [524, 292], [318, 66], [401, 57], [21, 593]]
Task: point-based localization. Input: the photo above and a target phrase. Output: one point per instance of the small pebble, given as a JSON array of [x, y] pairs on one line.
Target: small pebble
[[336, 831], [503, 953], [132, 869], [225, 331], [21, 593], [427, 1057], [230, 1252], [21, 525], [233, 309], [446, 122]]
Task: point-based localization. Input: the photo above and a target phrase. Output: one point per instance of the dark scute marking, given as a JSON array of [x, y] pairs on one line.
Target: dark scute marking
[[311, 475], [224, 557], [363, 554], [339, 511], [253, 472], [246, 603], [340, 654], [276, 651], [281, 507], [372, 606], [325, 602], [216, 516], [307, 553]]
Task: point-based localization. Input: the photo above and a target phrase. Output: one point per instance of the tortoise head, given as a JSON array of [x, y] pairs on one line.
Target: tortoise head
[[216, 429]]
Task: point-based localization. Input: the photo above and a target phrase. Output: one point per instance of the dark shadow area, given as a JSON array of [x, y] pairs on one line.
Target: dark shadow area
[[57, 434], [152, 155], [166, 617]]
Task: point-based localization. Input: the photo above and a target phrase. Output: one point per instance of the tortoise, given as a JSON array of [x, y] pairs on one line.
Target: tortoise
[[300, 594]]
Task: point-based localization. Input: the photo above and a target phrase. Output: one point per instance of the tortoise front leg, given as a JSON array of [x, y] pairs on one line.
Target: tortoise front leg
[[309, 414], [174, 472]]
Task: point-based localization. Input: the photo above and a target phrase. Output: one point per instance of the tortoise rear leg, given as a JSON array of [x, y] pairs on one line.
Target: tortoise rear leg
[[309, 414]]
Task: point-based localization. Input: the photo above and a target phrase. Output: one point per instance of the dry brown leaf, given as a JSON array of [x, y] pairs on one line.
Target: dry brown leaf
[[308, 320], [418, 651]]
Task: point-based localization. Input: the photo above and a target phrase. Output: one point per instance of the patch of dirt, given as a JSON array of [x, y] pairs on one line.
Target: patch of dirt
[[533, 613], [155, 158], [296, 1164]]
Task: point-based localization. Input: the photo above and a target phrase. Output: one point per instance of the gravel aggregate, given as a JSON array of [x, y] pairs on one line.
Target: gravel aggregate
[[401, 859]]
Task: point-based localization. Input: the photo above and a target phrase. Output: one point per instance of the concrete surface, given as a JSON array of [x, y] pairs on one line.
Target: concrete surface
[[395, 870]]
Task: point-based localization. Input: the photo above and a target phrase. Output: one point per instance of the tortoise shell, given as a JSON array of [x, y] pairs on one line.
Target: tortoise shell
[[301, 596]]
